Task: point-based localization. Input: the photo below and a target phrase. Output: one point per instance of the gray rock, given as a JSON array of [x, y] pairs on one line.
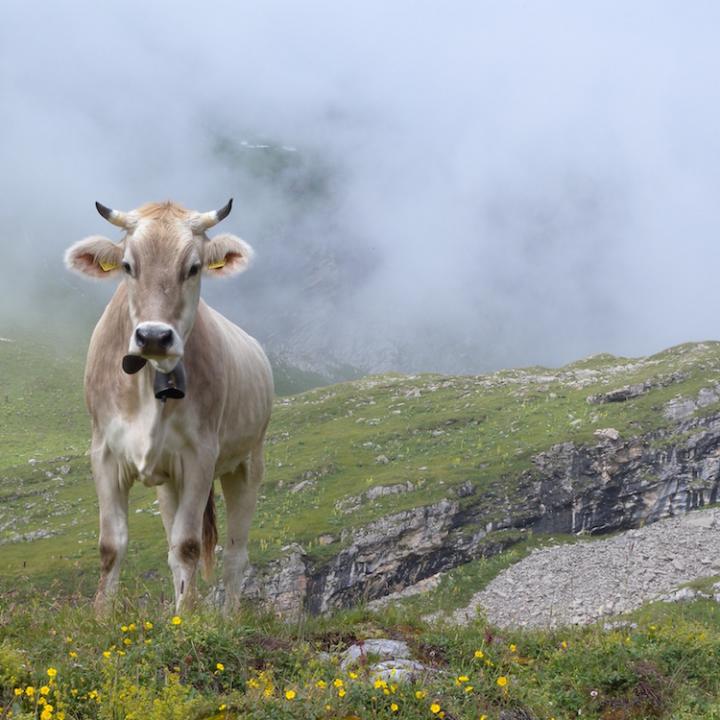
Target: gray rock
[[399, 671], [379, 648]]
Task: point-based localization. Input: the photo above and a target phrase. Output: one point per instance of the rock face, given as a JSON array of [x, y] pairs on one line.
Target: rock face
[[612, 483]]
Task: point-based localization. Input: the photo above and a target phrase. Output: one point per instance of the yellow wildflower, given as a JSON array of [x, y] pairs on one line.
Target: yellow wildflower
[[380, 683], [394, 707], [341, 692], [29, 690], [44, 690], [123, 628], [463, 678], [468, 688], [219, 666], [72, 654], [290, 694], [420, 694], [253, 683], [107, 653], [41, 701], [434, 708], [52, 672], [148, 625], [46, 714], [352, 675], [223, 707], [18, 692], [148, 641], [177, 620], [479, 654], [127, 641], [321, 684], [338, 683], [564, 645], [132, 627], [502, 681], [513, 647]]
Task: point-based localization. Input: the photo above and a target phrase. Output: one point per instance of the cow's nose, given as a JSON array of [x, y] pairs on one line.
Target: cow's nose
[[151, 337]]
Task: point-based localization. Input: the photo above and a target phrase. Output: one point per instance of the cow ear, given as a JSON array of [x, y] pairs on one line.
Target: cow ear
[[226, 255], [96, 256]]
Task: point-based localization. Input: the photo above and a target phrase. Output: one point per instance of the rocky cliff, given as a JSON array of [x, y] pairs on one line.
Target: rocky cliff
[[612, 480]]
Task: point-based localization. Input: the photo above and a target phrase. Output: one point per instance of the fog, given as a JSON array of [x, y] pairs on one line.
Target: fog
[[457, 187]]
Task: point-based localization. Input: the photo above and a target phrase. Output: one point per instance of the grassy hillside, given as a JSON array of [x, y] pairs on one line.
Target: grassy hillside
[[433, 431]]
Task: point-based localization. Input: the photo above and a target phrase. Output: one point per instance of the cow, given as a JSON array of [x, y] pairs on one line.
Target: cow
[[178, 395]]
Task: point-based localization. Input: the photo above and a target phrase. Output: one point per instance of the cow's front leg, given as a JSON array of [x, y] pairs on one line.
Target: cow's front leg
[[186, 534], [112, 493]]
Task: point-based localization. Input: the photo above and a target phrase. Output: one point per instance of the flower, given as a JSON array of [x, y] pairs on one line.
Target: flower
[[321, 684], [394, 707], [513, 647], [220, 667], [463, 679], [502, 681], [479, 654], [132, 627], [420, 694], [18, 692], [127, 641], [29, 690], [290, 694], [352, 675], [338, 683], [223, 707], [148, 625], [341, 692], [123, 628], [177, 620], [564, 645], [468, 688], [52, 672], [46, 714], [72, 654], [380, 683], [44, 690], [434, 708]]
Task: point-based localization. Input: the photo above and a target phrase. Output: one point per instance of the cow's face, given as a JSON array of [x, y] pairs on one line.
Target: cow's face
[[162, 256]]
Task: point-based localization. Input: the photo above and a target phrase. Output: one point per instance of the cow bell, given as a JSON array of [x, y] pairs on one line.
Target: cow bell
[[170, 385], [167, 385]]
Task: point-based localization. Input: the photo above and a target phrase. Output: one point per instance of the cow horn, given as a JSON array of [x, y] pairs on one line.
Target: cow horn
[[115, 217], [204, 221]]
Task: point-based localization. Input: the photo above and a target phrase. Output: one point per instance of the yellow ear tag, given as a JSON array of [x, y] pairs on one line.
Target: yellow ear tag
[[216, 265], [108, 266]]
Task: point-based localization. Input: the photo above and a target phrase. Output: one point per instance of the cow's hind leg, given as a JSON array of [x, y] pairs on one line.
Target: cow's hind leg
[[112, 493], [240, 490]]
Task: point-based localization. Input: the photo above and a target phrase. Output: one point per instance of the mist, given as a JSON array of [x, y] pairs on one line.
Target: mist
[[454, 188]]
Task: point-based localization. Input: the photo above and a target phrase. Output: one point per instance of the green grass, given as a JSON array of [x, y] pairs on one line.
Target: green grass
[[138, 664]]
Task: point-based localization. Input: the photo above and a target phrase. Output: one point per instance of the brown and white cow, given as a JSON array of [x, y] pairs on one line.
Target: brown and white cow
[[178, 394]]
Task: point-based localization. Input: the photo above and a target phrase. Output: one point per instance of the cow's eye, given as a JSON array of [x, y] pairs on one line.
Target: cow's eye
[[194, 270], [126, 267]]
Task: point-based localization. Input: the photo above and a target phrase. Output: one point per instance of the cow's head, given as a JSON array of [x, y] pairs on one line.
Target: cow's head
[[161, 258]]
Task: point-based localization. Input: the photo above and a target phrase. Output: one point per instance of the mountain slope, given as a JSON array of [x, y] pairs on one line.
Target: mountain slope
[[376, 484]]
